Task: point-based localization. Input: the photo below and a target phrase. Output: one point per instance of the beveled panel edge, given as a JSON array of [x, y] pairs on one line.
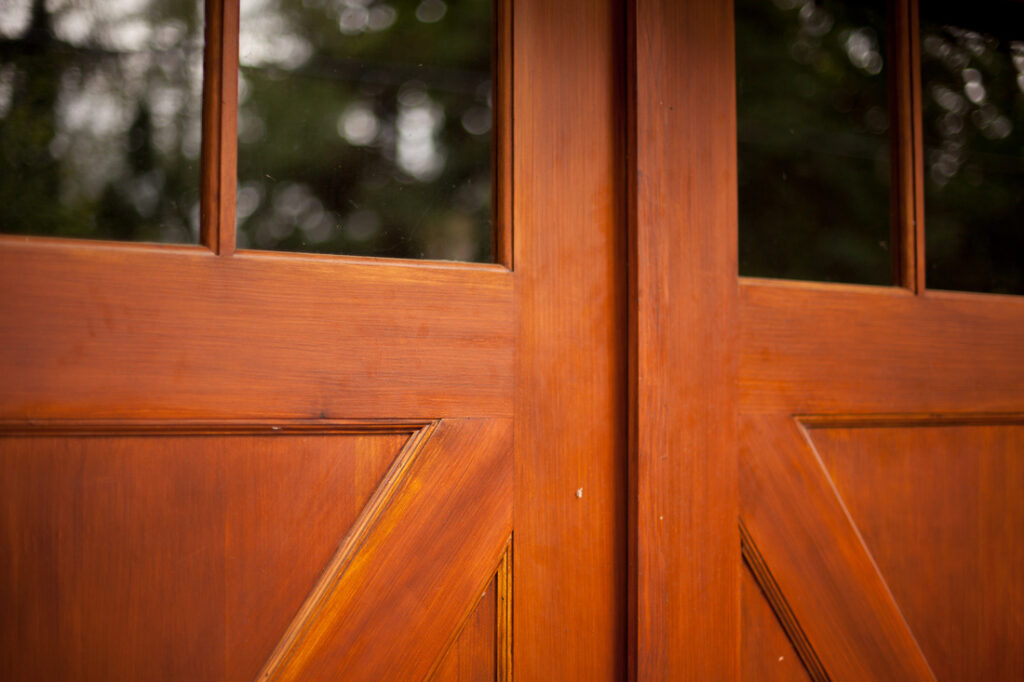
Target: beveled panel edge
[[897, 420], [216, 427], [780, 607]]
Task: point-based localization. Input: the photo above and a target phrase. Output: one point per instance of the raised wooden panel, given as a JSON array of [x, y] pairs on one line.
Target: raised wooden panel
[[817, 559], [413, 566], [254, 335], [941, 508], [146, 553], [766, 654]]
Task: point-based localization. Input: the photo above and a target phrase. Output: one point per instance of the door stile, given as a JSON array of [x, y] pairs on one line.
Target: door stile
[[570, 543], [220, 127], [685, 541]]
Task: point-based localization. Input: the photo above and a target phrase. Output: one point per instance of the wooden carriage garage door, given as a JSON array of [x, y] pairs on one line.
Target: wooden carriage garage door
[[220, 464]]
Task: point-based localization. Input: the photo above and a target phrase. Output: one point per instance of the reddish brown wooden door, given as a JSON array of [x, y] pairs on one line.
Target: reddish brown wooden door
[[880, 457], [875, 433], [240, 465]]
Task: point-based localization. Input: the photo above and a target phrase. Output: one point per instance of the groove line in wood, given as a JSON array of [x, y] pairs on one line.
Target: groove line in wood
[[762, 574]]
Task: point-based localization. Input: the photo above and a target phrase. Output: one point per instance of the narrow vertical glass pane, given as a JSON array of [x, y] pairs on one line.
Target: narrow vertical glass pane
[[972, 67], [365, 127], [100, 111], [813, 121]]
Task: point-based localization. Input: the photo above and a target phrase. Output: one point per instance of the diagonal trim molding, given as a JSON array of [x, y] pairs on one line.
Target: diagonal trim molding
[[412, 565], [803, 532], [779, 605]]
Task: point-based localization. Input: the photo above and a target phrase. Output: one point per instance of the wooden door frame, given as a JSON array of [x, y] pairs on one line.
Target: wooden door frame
[[684, 538]]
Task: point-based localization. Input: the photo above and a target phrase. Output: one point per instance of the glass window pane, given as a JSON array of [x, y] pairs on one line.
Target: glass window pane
[[972, 63], [100, 110], [365, 127], [813, 121]]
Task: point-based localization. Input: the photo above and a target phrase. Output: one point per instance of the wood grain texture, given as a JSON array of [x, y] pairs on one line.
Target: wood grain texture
[[501, 158], [472, 656], [569, 209], [161, 556], [103, 331], [941, 507], [409, 577], [754, 641], [767, 655], [685, 575], [219, 152], [818, 559], [906, 150], [842, 349]]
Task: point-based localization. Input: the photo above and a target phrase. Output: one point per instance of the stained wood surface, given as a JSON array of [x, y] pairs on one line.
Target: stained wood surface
[[686, 560], [818, 559], [409, 577], [766, 654], [161, 557], [95, 330], [473, 655], [570, 540], [220, 127], [906, 151], [834, 349], [941, 508]]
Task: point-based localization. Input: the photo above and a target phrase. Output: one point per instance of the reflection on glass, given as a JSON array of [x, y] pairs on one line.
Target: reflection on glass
[[365, 127], [100, 109], [972, 63], [813, 123]]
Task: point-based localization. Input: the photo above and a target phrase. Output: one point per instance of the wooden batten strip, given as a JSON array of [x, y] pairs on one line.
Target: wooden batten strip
[[501, 157], [907, 160], [220, 127]]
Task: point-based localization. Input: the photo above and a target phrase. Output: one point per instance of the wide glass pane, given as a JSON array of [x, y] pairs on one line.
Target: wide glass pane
[[813, 119], [972, 63], [100, 108], [365, 127]]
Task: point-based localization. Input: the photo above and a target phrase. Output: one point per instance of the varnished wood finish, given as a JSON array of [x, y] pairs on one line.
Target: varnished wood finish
[[570, 542], [939, 506], [93, 330], [220, 127], [821, 349], [767, 655], [907, 241], [752, 646], [818, 559], [409, 577], [482, 649], [685, 576], [137, 554], [501, 159], [471, 658]]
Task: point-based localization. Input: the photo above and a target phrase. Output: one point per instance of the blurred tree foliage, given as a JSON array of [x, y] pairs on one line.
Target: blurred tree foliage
[[99, 118], [972, 62], [365, 127], [813, 122], [814, 141], [364, 124]]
